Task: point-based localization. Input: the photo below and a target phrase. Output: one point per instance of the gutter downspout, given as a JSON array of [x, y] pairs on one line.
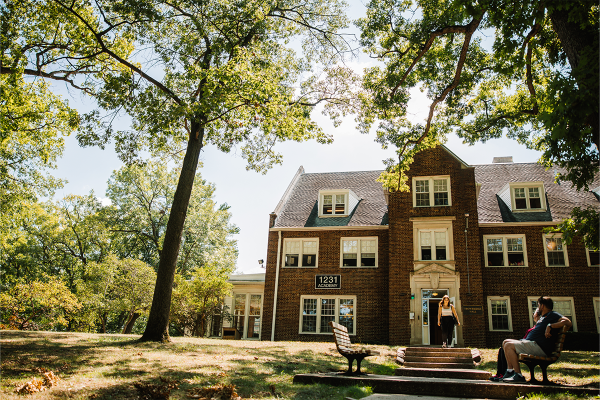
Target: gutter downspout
[[276, 287], [467, 251]]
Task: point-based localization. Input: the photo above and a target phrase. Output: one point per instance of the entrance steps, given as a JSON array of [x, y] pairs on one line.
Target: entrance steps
[[436, 358]]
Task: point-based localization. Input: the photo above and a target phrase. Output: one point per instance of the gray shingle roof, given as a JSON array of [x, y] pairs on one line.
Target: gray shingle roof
[[301, 207], [562, 198]]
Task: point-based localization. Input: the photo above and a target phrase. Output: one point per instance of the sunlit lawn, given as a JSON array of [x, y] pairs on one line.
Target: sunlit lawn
[[94, 366]]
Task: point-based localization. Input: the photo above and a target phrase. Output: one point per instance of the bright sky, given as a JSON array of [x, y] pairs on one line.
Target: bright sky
[[253, 196]]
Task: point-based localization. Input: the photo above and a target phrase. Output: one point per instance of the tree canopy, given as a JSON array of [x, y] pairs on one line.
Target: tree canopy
[[527, 69], [189, 74]]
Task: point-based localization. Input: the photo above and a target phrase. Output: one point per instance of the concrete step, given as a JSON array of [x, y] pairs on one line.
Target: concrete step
[[462, 388], [450, 350], [444, 373], [425, 359], [463, 354], [448, 365]]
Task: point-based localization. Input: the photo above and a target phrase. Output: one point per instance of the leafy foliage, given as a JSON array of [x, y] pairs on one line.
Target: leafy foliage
[[537, 82], [37, 305], [583, 223]]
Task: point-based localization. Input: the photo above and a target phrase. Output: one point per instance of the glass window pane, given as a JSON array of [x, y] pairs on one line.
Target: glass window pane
[[495, 259], [255, 304], [367, 259], [440, 199], [368, 246], [440, 238], [594, 257], [425, 238], [500, 322], [291, 260], [440, 252], [327, 204], [240, 304], [422, 199], [309, 323], [425, 253], [440, 185], [556, 258], [534, 192], [309, 247], [519, 193], [494, 244], [350, 246], [350, 260], [422, 186], [309, 307], [535, 203], [514, 244], [309, 260], [347, 314]]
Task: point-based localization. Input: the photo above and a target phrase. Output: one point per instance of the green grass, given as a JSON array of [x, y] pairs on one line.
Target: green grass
[[94, 366]]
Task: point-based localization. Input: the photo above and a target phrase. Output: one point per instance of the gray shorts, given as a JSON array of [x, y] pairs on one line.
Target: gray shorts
[[529, 347]]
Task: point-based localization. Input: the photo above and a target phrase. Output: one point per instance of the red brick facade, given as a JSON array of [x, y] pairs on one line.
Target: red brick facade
[[383, 294]]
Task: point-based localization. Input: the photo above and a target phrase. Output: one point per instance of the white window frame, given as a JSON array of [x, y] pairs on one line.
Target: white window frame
[[596, 301], [490, 324], [301, 240], [337, 313], [431, 180], [526, 186], [565, 250], [359, 254], [433, 231], [589, 262], [504, 250], [531, 299], [333, 194]]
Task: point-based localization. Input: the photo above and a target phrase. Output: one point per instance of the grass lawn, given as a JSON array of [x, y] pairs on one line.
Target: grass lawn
[[95, 366]]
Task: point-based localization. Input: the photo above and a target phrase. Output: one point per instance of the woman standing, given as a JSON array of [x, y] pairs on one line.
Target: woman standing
[[446, 317]]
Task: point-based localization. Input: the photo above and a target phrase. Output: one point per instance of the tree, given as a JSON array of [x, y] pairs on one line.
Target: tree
[[197, 299], [537, 82], [141, 197], [37, 305], [217, 73]]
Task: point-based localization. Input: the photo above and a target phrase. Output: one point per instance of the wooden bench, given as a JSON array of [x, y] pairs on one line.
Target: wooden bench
[[531, 361], [344, 346]]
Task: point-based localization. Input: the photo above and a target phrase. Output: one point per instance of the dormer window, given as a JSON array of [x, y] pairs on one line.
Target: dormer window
[[337, 203], [334, 204], [431, 191], [524, 196], [527, 198]]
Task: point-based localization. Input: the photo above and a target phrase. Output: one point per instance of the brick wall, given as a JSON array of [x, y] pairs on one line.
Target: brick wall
[[577, 280], [369, 285], [463, 200]]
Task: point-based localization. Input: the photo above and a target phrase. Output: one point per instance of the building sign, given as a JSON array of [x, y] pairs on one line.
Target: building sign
[[472, 310], [328, 281]]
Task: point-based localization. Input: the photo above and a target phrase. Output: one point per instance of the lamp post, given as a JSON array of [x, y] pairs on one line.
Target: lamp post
[[261, 261]]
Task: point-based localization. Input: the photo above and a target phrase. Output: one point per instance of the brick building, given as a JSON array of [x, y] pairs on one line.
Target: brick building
[[340, 248]]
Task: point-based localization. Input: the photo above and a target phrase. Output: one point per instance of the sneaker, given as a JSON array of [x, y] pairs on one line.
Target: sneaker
[[516, 378], [496, 378], [444, 345], [508, 375]]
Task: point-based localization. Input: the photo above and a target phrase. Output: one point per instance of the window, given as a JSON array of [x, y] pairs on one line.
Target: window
[[300, 252], [316, 312], [499, 316], [359, 252], [593, 258], [433, 245], [505, 251], [431, 191], [334, 204], [527, 196], [562, 305], [555, 251]]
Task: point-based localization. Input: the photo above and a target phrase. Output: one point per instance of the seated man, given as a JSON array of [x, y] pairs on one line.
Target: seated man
[[539, 342]]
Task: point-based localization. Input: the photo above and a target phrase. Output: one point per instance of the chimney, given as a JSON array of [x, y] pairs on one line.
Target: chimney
[[500, 160], [272, 218]]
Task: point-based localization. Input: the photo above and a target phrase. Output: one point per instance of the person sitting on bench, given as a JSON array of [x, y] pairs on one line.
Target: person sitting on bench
[[539, 342]]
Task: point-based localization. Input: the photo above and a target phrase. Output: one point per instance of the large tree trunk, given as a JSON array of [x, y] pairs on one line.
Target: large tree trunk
[[130, 322], [581, 49], [157, 328]]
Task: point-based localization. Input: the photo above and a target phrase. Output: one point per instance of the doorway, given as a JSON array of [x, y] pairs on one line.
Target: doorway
[[435, 332], [430, 300]]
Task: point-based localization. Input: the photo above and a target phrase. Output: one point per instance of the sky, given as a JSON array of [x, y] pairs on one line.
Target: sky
[[253, 196]]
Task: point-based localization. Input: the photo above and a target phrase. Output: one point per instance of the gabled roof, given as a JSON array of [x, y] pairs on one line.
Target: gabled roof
[[561, 198], [300, 208]]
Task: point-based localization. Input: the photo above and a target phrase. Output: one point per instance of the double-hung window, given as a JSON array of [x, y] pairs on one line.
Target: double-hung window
[[301, 252], [555, 251], [499, 316], [433, 244], [593, 258], [359, 252], [431, 191], [505, 251], [527, 198], [562, 305], [316, 313]]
